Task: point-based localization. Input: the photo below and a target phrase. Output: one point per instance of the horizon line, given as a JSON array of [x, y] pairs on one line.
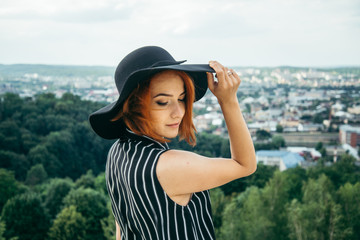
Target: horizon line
[[230, 66]]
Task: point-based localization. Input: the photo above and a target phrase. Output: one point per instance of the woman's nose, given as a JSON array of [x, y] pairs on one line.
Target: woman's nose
[[177, 110]]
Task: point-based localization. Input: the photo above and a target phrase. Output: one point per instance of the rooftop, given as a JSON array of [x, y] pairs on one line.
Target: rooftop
[[290, 159]]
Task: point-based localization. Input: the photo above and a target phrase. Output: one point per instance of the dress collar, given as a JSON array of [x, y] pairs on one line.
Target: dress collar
[[144, 138]]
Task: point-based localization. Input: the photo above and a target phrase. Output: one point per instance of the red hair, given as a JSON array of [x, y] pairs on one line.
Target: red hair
[[136, 111]]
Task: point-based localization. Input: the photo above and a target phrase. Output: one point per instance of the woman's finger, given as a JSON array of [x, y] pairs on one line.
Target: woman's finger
[[219, 69], [211, 80], [234, 77]]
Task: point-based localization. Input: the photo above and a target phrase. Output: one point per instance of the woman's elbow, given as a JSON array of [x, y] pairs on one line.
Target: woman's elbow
[[251, 167], [246, 169]]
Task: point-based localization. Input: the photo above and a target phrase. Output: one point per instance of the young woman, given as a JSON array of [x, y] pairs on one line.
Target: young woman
[[158, 193]]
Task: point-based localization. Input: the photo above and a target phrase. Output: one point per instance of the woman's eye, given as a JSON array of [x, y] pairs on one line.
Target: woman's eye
[[182, 100], [161, 103]]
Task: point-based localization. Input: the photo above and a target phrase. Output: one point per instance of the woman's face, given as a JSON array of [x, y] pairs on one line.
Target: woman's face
[[167, 107]]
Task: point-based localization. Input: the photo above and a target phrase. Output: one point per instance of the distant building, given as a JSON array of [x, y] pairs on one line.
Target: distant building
[[343, 115], [310, 127], [349, 135], [335, 152], [282, 159], [269, 126], [354, 110], [351, 150], [305, 151]]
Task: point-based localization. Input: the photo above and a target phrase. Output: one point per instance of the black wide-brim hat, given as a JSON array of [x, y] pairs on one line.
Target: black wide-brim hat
[[136, 67]]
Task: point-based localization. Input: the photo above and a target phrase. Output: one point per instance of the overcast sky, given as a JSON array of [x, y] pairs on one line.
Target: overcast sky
[[234, 32]]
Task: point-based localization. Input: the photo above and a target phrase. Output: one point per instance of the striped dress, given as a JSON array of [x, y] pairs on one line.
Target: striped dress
[[140, 205]]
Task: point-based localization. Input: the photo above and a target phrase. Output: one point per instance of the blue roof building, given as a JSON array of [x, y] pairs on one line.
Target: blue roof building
[[282, 159]]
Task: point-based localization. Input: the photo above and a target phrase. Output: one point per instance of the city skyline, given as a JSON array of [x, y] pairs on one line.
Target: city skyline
[[236, 33]]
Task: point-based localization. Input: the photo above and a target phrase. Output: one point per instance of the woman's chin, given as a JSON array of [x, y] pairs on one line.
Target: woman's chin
[[172, 135]]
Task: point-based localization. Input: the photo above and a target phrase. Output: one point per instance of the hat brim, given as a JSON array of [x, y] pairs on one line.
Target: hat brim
[[100, 120], [196, 71]]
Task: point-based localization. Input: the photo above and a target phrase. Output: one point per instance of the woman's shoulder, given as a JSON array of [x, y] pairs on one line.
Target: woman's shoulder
[[144, 143]]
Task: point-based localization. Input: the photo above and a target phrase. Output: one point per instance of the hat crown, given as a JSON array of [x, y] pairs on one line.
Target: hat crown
[[138, 59]]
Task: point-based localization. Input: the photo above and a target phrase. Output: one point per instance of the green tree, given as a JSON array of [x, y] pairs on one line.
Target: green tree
[[245, 218], [297, 222], [14, 162], [319, 146], [57, 122], [91, 149], [41, 155], [86, 180], [69, 224], [318, 216], [86, 145], [45, 102], [23, 211], [323, 152], [57, 189], [9, 104], [218, 203], [92, 206], [248, 107], [36, 175], [259, 179], [100, 183], [29, 140], [50, 131], [28, 108], [264, 146], [318, 118], [8, 186], [295, 178], [2, 230], [344, 170], [209, 145], [10, 136], [349, 198], [37, 124], [347, 170], [276, 196], [262, 134], [232, 227], [225, 149], [278, 141], [62, 145], [279, 128], [108, 224]]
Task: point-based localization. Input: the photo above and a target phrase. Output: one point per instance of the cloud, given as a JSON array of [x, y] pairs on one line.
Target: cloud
[[266, 32], [79, 11]]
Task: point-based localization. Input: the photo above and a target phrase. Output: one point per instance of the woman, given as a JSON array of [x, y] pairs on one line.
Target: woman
[[158, 193]]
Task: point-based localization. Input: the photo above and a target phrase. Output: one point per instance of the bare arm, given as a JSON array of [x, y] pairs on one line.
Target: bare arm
[[241, 145], [118, 235], [181, 172]]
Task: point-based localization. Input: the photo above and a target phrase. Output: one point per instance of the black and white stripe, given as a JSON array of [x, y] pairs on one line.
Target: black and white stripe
[[140, 205]]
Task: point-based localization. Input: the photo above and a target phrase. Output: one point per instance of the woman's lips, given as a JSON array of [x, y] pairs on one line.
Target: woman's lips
[[174, 125]]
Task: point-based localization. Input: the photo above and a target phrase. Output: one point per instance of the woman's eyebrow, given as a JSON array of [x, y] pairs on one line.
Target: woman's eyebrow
[[167, 95]]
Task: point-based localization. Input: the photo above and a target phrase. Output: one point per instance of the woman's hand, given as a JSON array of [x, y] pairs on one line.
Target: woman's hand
[[225, 88]]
